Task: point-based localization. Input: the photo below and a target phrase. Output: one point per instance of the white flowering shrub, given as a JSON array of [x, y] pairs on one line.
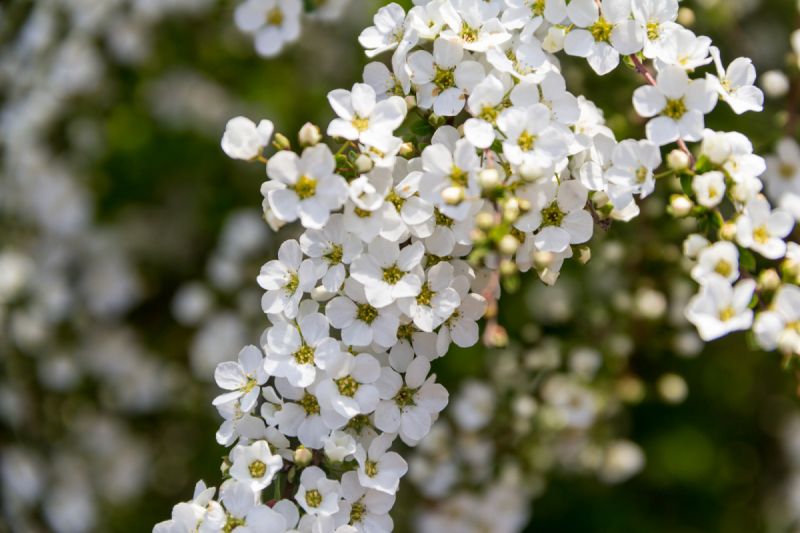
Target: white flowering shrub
[[463, 165]]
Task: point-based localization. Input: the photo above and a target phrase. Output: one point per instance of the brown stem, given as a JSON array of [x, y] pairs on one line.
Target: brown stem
[[604, 223]]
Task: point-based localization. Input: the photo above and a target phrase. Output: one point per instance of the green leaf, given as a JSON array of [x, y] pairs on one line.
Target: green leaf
[[686, 184], [497, 147], [341, 161], [422, 128], [746, 260]]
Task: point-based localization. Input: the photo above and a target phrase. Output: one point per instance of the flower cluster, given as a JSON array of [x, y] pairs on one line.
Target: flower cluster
[[409, 235]]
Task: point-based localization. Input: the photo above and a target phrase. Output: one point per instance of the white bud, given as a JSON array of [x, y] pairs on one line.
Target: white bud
[[363, 164], [542, 259], [411, 102], [309, 135], [489, 178], [530, 171], [508, 245], [678, 160], [775, 84], [681, 205], [302, 456], [453, 195]]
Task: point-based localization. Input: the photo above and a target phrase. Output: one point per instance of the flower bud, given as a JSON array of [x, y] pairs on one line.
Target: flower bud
[[728, 231], [530, 172], [678, 160], [511, 210], [407, 149], [769, 280], [686, 17], [681, 205], [694, 244], [309, 135], [477, 236], [524, 205], [453, 195], [542, 259], [717, 148], [302, 456], [411, 102], [363, 164], [495, 336], [584, 254], [436, 120], [281, 142], [790, 268], [489, 178], [484, 220], [508, 267], [508, 245]]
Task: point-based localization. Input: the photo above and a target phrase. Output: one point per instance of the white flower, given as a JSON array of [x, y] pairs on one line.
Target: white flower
[[243, 378], [435, 302], [274, 22], [302, 419], [413, 210], [388, 31], [338, 446], [383, 82], [484, 105], [387, 272], [255, 465], [360, 322], [243, 140], [656, 17], [601, 38], [446, 169], [316, 494], [241, 512], [295, 354], [366, 509], [461, 328], [331, 248], [720, 258], [558, 211], [552, 92], [778, 327], [763, 230], [709, 188], [720, 308], [311, 189], [782, 177], [286, 280], [427, 19], [443, 80], [237, 422], [529, 15], [473, 25], [735, 85], [554, 40], [519, 59], [682, 48], [530, 138], [361, 117], [350, 389], [696, 243], [407, 407], [380, 469], [599, 160], [475, 405], [679, 104]]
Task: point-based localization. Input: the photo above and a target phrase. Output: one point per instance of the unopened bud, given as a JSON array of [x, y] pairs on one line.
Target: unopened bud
[[511, 210], [681, 205], [489, 178], [678, 160], [436, 120], [363, 164], [477, 235], [484, 220], [411, 102], [495, 336], [281, 142], [530, 172], [460, 130], [769, 280], [542, 259], [508, 245], [584, 254], [790, 268], [309, 135], [508, 267], [407, 149], [302, 456], [728, 231], [453, 195], [524, 205]]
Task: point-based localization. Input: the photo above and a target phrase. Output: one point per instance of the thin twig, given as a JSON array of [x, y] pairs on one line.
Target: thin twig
[[603, 223]]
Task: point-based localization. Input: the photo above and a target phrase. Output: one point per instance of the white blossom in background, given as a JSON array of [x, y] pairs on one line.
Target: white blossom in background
[[244, 140]]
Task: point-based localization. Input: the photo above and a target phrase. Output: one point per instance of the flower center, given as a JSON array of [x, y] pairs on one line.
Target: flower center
[[405, 332], [257, 469], [489, 114], [362, 213], [232, 523], [309, 404], [724, 268], [313, 498], [392, 275], [600, 30], [727, 313], [305, 187], [469, 35], [445, 78], [442, 220], [335, 255], [405, 397], [434, 260], [347, 386], [357, 424], [305, 355], [371, 468], [641, 175], [396, 200], [366, 313], [517, 234], [653, 30], [552, 216], [357, 512], [425, 295], [291, 285], [787, 171], [761, 235], [538, 8], [458, 177], [274, 17], [452, 320], [526, 141], [675, 109], [361, 124]]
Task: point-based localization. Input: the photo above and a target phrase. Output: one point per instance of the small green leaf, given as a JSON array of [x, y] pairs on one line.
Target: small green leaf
[[746, 260], [422, 128], [686, 184]]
